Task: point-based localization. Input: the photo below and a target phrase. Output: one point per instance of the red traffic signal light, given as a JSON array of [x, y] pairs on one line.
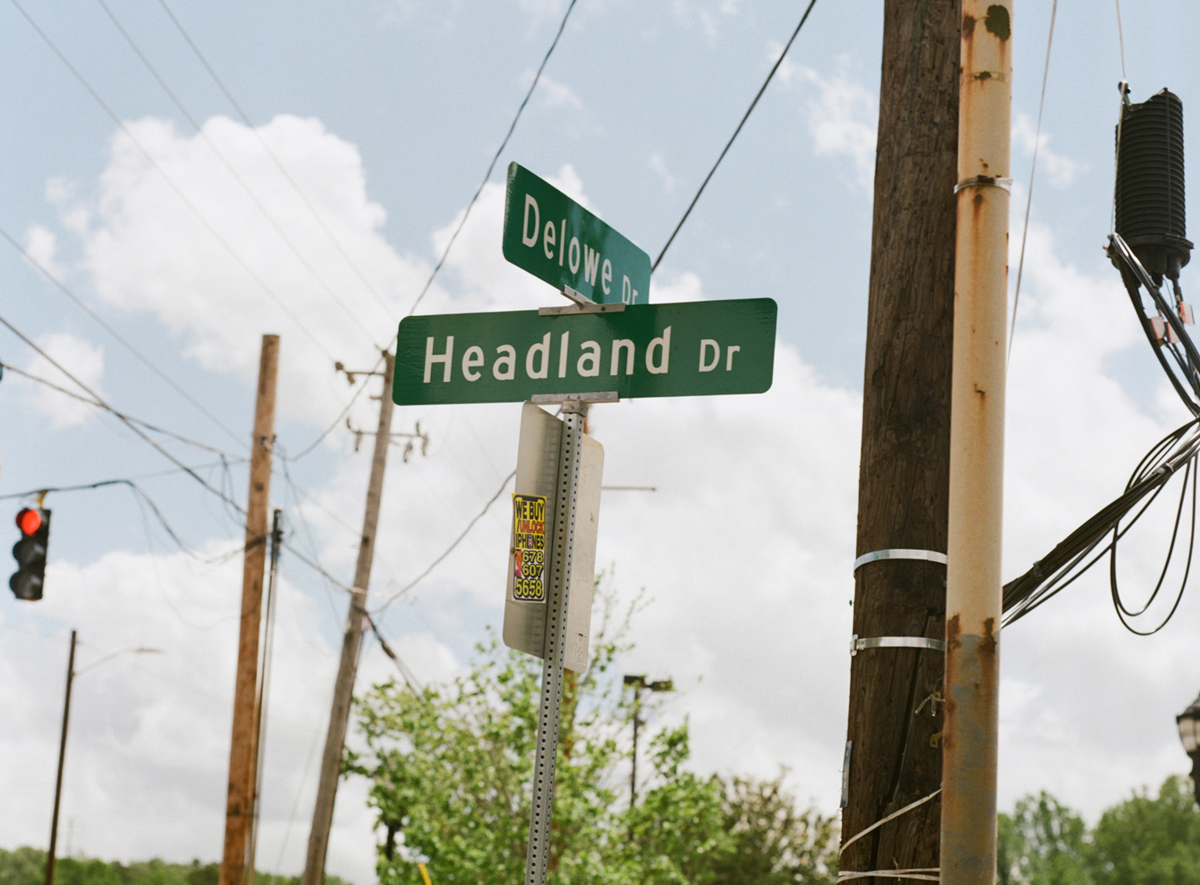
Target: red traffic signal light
[[29, 521], [30, 553]]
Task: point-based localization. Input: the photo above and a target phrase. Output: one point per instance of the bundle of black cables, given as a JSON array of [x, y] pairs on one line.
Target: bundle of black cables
[[1172, 455]]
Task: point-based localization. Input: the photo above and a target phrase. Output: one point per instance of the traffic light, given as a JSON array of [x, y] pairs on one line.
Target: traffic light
[[30, 553]]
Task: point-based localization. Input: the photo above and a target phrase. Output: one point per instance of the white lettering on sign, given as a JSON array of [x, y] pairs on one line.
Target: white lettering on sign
[[471, 358], [591, 355], [606, 276], [663, 346], [563, 354], [628, 293], [621, 344], [444, 359], [549, 354], [508, 357], [573, 255], [548, 240], [530, 239], [542, 350], [591, 263]]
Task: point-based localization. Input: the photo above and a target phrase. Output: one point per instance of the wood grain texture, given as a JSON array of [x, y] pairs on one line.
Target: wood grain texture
[[904, 467]]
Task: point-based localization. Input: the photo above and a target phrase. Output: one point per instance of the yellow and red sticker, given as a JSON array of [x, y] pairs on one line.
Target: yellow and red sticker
[[529, 548]]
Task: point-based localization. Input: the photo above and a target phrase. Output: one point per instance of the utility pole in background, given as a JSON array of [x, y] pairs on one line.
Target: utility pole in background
[[243, 750], [893, 754], [973, 583], [62, 755], [264, 684], [343, 690]]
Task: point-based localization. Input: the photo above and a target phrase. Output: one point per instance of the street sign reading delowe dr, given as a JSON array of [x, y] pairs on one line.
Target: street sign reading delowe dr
[[696, 348], [557, 240]]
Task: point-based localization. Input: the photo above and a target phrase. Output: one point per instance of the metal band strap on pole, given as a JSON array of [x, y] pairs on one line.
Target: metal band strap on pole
[[569, 459], [891, 817], [899, 553], [857, 645]]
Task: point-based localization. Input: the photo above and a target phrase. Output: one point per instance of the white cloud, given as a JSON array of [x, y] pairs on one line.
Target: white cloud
[[151, 250], [41, 247], [841, 113], [558, 95], [658, 165], [83, 360], [1059, 170]]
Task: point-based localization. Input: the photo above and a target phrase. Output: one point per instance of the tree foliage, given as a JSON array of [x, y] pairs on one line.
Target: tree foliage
[[1144, 840], [451, 773], [27, 866]]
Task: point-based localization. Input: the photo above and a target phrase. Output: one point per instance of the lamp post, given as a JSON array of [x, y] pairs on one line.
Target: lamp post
[[638, 683], [1189, 733], [62, 744]]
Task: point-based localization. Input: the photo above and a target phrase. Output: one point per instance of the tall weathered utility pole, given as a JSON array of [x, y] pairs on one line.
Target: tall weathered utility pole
[[896, 673], [343, 691], [973, 583], [242, 750]]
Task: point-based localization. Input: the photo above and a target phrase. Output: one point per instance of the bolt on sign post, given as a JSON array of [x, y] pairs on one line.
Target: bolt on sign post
[[973, 594], [607, 344], [557, 240]]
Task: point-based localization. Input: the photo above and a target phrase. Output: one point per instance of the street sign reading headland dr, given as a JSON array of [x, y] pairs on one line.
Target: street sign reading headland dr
[[557, 240], [696, 348]]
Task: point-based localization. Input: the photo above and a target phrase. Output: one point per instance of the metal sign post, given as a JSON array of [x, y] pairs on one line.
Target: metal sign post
[[569, 459]]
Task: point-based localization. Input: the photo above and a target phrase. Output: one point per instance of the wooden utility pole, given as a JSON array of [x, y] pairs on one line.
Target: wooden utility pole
[[343, 690], [239, 803], [62, 755], [894, 757], [973, 583]]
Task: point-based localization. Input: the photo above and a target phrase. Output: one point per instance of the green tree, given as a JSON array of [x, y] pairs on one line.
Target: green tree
[[1042, 843], [451, 773], [1149, 841]]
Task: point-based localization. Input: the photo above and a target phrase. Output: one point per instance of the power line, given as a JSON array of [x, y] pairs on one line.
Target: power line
[[274, 158], [448, 550], [99, 401], [229, 167], [83, 399], [241, 262], [1037, 136], [492, 165], [729, 143], [62, 287]]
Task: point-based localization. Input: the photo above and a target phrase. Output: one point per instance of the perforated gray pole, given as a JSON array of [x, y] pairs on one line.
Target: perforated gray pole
[[538, 856]]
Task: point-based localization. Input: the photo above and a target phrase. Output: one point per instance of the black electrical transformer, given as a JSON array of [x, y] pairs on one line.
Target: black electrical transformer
[[1150, 186]]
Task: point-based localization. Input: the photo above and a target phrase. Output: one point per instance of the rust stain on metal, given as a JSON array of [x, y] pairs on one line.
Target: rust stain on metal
[[998, 22], [968, 27], [983, 75]]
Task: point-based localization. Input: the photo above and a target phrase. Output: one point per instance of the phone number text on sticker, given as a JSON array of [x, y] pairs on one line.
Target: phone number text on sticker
[[529, 548]]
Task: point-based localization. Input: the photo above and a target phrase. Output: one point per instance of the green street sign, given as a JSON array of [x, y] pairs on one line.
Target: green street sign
[[697, 348], [557, 240]]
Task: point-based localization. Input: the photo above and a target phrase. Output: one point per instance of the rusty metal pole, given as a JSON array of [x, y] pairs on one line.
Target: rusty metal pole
[[240, 796], [973, 584]]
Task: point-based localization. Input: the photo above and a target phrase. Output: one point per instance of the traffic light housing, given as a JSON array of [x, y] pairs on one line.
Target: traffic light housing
[[30, 553]]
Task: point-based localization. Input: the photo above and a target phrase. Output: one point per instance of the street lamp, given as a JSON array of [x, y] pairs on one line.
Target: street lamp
[[1189, 733], [638, 683], [62, 745]]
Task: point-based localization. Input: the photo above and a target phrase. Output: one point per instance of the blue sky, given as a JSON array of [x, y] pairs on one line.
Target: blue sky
[[386, 115]]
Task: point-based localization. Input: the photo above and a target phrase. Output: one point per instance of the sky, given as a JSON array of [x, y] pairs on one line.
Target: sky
[[164, 221]]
